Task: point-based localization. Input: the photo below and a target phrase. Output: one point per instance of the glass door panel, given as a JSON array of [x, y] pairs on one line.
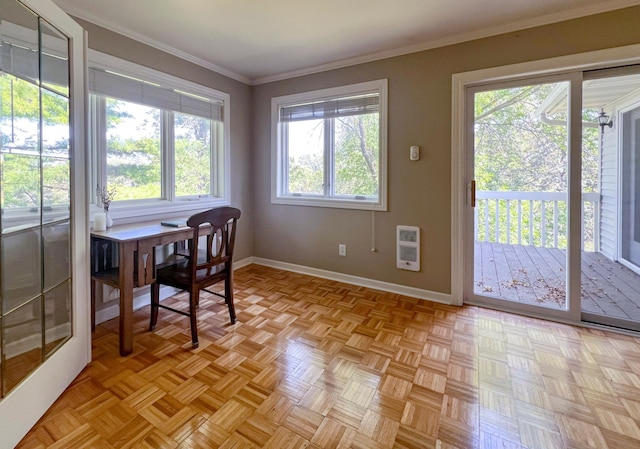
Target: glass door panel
[[20, 41], [44, 317], [22, 343], [21, 268], [35, 186], [54, 59], [57, 316], [520, 166], [610, 281]]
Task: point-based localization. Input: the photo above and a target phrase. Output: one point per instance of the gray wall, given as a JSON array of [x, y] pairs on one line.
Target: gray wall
[[419, 114]]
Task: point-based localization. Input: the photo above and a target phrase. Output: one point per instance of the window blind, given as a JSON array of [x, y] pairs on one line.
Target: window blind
[[126, 88], [23, 62], [331, 108]]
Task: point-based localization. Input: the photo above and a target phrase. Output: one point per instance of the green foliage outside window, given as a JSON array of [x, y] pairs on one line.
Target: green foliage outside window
[[356, 157], [517, 148], [193, 155], [21, 163], [133, 150], [134, 155]]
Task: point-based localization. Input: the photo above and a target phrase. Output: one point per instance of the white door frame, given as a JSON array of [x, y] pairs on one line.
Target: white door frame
[[574, 88], [460, 179], [622, 109], [24, 405]]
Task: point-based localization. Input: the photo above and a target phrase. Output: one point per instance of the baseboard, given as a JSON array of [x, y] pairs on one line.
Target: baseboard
[[242, 263], [142, 297], [412, 292]]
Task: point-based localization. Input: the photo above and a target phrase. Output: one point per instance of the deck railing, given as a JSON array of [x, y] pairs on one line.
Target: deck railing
[[534, 219]]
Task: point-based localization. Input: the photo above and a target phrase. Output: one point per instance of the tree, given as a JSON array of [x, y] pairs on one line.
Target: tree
[[192, 155], [133, 150], [519, 147], [23, 160], [356, 156]]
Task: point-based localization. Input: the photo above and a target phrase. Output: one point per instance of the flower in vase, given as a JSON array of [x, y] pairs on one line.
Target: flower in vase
[[105, 196]]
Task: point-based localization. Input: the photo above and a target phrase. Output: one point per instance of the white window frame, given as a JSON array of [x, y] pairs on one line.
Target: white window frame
[[168, 205], [279, 172]]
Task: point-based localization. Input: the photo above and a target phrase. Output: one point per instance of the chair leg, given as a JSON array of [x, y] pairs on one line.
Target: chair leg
[[155, 300], [228, 298], [193, 304]]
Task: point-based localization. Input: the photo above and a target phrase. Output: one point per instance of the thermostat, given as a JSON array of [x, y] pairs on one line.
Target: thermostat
[[408, 248], [414, 152]]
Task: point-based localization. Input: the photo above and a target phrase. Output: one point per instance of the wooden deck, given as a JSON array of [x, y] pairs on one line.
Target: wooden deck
[[535, 275]]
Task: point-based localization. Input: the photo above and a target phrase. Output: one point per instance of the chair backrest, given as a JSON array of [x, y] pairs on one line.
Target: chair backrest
[[220, 240]]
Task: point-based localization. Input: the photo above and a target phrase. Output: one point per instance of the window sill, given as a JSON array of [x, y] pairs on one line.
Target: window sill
[[337, 203], [151, 210]]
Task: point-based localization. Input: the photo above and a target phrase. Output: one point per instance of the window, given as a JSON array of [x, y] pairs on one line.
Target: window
[[160, 141], [133, 150], [329, 147]]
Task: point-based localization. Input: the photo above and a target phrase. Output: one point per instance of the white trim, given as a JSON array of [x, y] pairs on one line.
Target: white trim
[[592, 60], [412, 292], [151, 209], [460, 82], [625, 106], [278, 165], [329, 202], [574, 197], [630, 265]]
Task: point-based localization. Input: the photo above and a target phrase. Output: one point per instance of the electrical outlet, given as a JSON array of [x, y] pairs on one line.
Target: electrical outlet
[[342, 249]]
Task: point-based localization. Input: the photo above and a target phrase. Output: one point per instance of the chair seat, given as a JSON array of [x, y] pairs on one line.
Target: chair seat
[[179, 274]]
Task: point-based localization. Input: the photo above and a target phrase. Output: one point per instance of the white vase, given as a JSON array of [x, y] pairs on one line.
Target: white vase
[[109, 219]]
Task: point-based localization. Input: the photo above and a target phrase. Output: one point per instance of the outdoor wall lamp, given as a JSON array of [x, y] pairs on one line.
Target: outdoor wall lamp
[[604, 120]]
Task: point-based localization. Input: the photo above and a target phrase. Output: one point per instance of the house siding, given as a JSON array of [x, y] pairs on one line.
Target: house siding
[[608, 194]]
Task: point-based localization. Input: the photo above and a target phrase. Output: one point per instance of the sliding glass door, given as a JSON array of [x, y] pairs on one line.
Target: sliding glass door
[[610, 281], [520, 216], [519, 156], [553, 210]]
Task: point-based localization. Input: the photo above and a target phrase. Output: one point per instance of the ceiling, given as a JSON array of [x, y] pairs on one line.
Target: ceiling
[[257, 41]]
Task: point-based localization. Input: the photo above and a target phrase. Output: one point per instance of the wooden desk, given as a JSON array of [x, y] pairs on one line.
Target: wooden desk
[[136, 244]]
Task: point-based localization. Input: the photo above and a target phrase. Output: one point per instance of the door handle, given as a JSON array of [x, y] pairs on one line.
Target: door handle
[[473, 193]]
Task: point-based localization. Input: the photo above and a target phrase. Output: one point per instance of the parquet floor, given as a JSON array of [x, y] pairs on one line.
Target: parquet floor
[[314, 363]]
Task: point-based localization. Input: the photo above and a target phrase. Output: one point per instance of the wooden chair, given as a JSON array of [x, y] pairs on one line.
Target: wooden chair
[[203, 267]]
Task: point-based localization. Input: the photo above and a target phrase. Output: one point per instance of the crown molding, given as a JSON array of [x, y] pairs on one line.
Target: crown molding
[[457, 39], [96, 20], [375, 56]]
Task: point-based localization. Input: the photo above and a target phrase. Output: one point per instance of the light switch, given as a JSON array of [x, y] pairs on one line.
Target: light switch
[[414, 153]]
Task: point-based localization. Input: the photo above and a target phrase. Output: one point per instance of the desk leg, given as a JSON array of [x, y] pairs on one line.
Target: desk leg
[[126, 264]]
